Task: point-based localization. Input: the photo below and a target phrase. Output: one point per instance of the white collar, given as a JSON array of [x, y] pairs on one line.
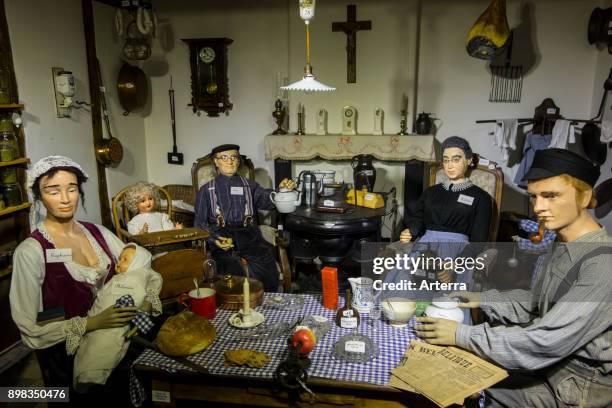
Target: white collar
[[464, 185]]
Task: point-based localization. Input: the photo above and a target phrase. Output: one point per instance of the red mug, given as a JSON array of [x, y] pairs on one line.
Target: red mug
[[204, 305]]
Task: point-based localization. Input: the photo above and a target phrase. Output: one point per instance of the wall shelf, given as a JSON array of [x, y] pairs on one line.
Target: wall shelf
[[10, 210], [21, 160], [11, 106]]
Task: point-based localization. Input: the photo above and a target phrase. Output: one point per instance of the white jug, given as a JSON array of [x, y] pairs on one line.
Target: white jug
[[285, 200], [363, 289]]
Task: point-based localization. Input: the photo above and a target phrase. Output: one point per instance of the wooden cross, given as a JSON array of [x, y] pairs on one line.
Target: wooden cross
[[350, 28]]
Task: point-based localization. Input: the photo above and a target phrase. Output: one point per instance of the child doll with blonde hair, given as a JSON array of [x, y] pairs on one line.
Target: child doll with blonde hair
[[142, 199]]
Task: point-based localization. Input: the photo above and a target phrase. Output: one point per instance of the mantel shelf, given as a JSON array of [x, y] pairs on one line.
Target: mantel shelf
[[21, 160], [345, 147], [10, 210]]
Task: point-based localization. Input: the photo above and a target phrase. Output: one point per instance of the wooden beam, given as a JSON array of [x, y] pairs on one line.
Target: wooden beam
[[94, 95]]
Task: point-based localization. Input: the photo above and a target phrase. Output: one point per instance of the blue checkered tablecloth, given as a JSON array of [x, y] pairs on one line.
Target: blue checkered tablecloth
[[392, 343]]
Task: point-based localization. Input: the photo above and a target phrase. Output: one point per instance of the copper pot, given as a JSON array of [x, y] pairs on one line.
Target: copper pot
[[229, 292], [132, 87], [109, 152]]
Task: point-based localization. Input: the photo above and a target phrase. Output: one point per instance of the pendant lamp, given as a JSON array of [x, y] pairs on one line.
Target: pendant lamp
[[309, 82]]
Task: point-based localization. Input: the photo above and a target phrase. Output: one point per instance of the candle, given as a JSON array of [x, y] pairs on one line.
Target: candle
[[299, 109], [246, 307], [246, 290], [404, 104]]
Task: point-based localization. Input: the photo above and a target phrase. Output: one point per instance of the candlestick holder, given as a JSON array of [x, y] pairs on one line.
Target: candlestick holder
[[279, 115], [404, 124], [300, 128]]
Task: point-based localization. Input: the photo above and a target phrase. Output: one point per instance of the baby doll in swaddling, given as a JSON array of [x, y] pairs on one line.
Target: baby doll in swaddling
[[142, 199], [101, 350]]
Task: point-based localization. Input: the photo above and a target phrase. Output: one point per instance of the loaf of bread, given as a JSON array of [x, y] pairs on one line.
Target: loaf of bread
[[185, 334]]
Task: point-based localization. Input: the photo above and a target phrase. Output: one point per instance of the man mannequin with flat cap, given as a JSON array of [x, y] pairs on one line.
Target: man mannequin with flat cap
[[227, 207], [556, 340]]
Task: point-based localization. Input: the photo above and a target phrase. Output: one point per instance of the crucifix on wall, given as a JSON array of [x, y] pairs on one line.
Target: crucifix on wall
[[350, 28]]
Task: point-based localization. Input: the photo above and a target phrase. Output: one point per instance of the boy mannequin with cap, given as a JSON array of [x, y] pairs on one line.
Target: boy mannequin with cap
[[227, 207], [562, 326]]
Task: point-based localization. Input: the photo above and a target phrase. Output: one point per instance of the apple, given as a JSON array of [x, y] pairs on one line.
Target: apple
[[305, 338]]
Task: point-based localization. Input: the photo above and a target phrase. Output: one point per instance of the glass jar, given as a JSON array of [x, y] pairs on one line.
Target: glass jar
[[9, 149], [8, 176], [12, 194]]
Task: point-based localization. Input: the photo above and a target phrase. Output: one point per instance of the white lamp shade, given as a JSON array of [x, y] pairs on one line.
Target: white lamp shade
[[308, 84]]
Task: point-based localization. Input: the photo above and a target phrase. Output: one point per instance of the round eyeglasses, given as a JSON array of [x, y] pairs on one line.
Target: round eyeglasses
[[226, 158]]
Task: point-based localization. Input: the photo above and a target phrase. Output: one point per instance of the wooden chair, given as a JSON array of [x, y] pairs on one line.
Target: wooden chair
[[178, 267], [203, 170], [490, 180], [122, 216]]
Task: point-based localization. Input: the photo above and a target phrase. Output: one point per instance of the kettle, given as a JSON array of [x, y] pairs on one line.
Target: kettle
[[424, 124], [309, 188]]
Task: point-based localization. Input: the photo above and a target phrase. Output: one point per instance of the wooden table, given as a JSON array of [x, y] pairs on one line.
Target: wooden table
[[176, 389], [335, 384]]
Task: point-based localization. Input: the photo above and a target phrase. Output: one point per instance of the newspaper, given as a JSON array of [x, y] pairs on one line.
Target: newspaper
[[445, 375]]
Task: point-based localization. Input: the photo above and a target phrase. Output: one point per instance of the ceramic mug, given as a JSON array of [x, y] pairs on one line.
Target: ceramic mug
[[204, 305]]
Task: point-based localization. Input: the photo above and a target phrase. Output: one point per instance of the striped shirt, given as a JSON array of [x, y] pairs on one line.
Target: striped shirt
[[578, 326]]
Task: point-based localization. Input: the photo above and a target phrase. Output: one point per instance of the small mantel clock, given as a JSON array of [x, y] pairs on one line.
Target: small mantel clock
[[209, 83]]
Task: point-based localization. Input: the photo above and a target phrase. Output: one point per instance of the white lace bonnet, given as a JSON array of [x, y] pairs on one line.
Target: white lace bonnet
[[47, 163], [38, 169]]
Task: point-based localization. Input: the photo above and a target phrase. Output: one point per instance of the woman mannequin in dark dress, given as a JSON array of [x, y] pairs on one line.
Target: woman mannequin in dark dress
[[448, 216]]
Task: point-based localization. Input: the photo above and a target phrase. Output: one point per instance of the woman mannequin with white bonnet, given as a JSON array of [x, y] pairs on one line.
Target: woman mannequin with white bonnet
[[60, 266]]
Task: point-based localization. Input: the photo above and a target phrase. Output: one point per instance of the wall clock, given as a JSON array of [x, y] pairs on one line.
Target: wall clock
[[209, 82]]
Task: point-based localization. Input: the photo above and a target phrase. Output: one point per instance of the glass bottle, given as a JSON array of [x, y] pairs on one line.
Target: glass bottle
[[9, 149], [348, 316]]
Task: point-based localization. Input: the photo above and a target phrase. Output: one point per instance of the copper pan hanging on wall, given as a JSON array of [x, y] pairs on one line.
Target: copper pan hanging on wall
[[109, 152], [132, 87]]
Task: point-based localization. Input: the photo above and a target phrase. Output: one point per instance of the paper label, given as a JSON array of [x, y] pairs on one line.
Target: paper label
[[160, 396], [122, 287], [328, 203], [368, 172], [483, 161], [348, 322], [237, 191], [354, 346], [369, 197], [59, 255], [465, 199], [347, 313]]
